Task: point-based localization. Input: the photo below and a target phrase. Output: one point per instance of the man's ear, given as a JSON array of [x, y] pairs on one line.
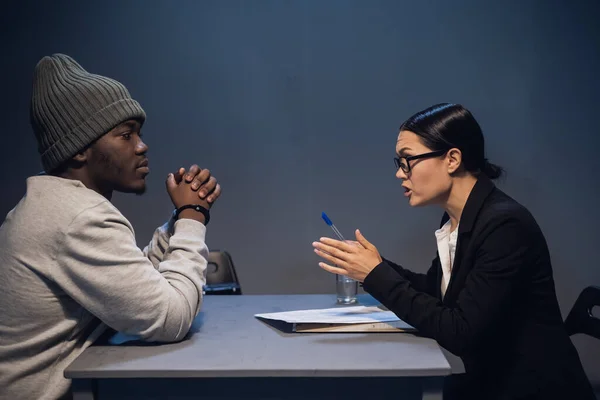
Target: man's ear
[[454, 158], [82, 156]]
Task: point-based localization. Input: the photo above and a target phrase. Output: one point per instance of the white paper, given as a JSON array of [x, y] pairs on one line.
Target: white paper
[[339, 315]]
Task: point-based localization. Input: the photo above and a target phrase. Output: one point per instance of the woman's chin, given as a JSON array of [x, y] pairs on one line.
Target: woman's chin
[[414, 201]]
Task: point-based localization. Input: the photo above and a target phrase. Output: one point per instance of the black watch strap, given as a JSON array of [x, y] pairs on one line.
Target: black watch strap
[[195, 207]]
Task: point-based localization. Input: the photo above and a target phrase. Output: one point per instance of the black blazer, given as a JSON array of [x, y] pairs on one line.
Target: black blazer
[[500, 313]]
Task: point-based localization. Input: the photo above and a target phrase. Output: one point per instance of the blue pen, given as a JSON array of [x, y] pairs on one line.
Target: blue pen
[[335, 230], [345, 287]]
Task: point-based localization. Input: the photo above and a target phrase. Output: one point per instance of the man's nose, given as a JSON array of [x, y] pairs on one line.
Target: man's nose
[[141, 147]]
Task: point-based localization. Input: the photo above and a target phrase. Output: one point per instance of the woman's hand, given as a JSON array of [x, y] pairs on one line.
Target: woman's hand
[[353, 259]]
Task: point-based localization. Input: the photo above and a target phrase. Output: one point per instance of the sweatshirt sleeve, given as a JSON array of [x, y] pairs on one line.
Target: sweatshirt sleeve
[[155, 251], [100, 266]]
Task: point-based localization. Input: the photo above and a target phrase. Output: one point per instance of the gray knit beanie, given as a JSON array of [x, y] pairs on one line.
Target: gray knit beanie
[[71, 108]]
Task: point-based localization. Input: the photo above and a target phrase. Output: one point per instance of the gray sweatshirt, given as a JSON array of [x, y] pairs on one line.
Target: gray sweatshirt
[[70, 266]]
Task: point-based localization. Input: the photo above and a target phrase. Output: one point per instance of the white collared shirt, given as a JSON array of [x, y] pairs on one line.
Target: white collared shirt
[[446, 244]]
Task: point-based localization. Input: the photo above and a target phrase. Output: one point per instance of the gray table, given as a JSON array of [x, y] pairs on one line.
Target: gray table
[[230, 354]]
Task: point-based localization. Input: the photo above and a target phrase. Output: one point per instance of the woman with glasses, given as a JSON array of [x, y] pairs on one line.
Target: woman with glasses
[[489, 295]]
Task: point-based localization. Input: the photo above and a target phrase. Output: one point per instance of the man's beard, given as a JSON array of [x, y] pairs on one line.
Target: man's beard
[[114, 169], [140, 191]]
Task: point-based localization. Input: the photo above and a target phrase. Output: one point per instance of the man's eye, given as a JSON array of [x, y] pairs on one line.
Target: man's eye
[[126, 136]]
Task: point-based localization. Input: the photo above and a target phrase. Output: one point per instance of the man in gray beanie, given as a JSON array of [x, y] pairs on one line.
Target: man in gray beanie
[[69, 264]]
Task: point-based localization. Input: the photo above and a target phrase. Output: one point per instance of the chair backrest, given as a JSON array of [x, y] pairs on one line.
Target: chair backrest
[[221, 277], [581, 319]]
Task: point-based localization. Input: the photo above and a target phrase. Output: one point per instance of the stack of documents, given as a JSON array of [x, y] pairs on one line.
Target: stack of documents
[[341, 319]]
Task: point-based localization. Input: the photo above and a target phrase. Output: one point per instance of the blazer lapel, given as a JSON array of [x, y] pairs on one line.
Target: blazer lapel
[[482, 189]]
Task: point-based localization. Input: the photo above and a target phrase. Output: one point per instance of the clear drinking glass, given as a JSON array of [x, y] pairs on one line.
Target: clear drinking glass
[[345, 289]]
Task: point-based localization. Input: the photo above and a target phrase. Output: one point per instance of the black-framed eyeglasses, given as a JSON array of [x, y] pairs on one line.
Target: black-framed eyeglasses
[[403, 163]]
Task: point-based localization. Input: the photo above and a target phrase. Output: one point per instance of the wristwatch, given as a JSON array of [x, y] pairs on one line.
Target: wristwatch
[[195, 207]]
